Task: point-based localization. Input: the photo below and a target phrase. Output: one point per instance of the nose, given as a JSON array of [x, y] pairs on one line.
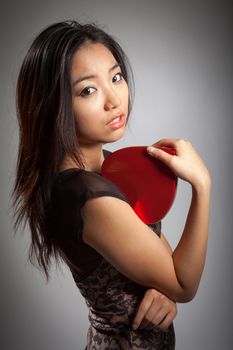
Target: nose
[[112, 100]]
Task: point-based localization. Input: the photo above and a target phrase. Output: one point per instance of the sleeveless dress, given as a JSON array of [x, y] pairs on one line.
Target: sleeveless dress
[[112, 298]]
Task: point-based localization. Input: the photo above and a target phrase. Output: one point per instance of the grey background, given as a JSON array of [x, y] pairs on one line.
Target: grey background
[[181, 54]]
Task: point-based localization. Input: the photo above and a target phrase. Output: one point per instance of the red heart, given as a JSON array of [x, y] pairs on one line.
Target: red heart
[[148, 184]]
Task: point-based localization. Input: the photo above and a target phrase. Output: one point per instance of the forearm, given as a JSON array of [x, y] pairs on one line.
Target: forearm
[[189, 255]]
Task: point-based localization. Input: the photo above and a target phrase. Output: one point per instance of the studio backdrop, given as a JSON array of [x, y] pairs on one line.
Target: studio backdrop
[[181, 55]]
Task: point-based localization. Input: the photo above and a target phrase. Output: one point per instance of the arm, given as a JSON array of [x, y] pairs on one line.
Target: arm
[[114, 230], [155, 309], [166, 243], [193, 243]]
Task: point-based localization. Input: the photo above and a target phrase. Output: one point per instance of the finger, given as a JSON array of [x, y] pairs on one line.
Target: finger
[[141, 312], [168, 142], [166, 322], [152, 302], [159, 154], [156, 323], [150, 316], [154, 317], [168, 319], [161, 316], [156, 313]]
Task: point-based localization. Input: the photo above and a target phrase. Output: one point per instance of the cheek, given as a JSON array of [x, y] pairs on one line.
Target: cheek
[[85, 113], [80, 109], [86, 108], [125, 96]]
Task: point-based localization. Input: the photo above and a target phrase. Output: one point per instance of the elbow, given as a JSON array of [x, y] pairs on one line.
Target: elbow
[[185, 296], [178, 295]]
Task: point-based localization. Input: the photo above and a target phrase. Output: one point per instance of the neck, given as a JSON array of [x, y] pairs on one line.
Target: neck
[[92, 156]]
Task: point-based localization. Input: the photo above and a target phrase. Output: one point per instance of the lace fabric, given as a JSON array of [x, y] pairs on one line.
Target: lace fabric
[[111, 298]]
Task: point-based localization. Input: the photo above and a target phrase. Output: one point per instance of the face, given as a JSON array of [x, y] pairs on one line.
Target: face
[[100, 95]]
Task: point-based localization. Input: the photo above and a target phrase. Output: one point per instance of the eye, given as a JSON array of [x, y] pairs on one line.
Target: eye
[[87, 91], [117, 77]]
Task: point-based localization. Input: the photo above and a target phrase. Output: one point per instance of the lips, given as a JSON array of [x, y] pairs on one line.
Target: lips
[[116, 119], [117, 122]]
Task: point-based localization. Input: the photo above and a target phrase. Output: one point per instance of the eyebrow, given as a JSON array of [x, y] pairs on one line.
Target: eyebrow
[[86, 77]]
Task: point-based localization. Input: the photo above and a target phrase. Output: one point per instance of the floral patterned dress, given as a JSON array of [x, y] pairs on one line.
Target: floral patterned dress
[[112, 298]]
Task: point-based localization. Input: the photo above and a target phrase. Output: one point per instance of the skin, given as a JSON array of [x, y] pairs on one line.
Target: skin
[[96, 100], [144, 257]]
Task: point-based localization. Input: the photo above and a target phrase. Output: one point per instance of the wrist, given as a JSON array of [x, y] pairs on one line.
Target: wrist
[[202, 185]]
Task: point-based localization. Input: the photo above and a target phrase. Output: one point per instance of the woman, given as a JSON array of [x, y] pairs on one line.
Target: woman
[[73, 97]]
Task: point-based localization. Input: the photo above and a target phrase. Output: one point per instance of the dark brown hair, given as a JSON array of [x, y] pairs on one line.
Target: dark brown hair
[[47, 130]]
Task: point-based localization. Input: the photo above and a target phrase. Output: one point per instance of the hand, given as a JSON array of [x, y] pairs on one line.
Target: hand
[[155, 310], [186, 164]]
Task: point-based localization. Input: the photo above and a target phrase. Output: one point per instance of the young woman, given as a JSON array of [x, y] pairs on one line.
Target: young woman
[[73, 97]]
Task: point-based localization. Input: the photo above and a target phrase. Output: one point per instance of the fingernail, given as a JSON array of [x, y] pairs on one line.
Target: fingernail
[[150, 149], [134, 326]]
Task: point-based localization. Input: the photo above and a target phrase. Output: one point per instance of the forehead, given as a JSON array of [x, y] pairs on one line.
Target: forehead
[[92, 58]]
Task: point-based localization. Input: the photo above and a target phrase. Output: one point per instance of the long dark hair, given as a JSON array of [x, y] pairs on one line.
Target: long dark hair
[[47, 130]]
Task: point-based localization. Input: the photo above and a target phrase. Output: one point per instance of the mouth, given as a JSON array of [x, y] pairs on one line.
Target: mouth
[[117, 119]]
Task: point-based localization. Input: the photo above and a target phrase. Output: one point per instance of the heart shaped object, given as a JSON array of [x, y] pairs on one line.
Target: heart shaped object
[[148, 184]]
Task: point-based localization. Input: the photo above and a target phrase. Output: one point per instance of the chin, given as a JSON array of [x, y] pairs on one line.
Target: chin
[[116, 136]]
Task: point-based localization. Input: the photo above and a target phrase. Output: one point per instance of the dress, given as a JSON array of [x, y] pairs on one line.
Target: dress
[[111, 297]]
